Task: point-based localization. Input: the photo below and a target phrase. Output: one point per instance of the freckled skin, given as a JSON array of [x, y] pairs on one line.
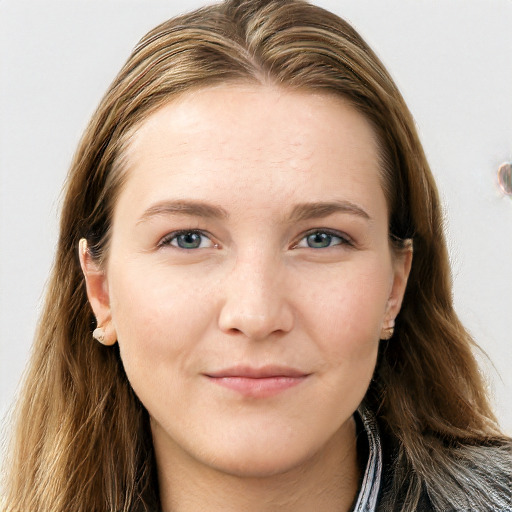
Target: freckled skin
[[254, 292]]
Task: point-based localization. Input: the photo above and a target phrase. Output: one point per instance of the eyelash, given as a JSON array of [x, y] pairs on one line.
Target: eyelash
[[168, 239], [344, 239]]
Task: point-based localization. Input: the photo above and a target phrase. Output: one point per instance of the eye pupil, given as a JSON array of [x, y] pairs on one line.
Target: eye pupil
[[319, 240], [189, 240]]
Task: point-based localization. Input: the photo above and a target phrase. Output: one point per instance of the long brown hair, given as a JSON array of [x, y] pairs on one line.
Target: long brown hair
[[82, 440]]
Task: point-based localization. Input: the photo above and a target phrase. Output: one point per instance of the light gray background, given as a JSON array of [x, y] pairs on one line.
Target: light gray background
[[452, 60]]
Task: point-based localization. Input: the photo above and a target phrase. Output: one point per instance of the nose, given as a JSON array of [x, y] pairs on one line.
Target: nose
[[256, 303]]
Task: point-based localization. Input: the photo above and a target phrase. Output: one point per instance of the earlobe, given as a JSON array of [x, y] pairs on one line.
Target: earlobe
[[98, 295]]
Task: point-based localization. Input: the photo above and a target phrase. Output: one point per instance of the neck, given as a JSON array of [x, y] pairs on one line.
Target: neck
[[327, 481]]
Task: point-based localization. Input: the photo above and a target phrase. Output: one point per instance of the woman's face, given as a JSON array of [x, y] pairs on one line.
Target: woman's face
[[250, 274]]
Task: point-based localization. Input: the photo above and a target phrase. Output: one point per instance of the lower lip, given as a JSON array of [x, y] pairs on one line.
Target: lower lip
[[258, 388]]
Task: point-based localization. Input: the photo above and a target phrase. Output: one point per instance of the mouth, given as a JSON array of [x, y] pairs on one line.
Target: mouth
[[261, 382]]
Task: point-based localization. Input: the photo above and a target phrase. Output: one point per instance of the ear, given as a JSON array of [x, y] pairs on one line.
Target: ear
[[402, 262], [97, 293]]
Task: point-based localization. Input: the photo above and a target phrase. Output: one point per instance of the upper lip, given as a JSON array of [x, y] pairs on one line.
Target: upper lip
[[262, 372]]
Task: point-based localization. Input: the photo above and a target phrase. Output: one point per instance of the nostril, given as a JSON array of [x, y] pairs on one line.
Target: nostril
[[235, 320]]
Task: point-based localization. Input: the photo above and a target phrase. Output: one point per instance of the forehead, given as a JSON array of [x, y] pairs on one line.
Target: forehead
[[257, 113], [256, 142]]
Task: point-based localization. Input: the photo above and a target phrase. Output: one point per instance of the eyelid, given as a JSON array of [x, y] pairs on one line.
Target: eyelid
[[345, 239], [166, 240]]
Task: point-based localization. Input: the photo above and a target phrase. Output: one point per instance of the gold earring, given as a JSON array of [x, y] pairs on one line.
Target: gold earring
[[387, 332]]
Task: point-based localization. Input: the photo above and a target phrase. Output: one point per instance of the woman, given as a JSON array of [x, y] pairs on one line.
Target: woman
[[253, 237]]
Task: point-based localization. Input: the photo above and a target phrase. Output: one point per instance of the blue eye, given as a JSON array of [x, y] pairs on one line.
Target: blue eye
[[322, 240], [187, 240]]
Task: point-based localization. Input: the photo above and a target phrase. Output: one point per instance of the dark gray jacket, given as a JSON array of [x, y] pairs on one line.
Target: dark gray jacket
[[377, 454]]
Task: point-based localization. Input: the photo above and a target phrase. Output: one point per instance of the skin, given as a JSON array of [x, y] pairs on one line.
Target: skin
[[259, 290]]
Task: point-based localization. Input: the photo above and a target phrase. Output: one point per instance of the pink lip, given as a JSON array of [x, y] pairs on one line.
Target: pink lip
[[258, 382]]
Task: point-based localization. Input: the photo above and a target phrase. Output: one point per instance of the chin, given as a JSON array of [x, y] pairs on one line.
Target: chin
[[258, 456], [263, 465]]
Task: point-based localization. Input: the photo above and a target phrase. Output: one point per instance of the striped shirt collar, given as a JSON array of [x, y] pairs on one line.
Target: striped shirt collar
[[369, 491]]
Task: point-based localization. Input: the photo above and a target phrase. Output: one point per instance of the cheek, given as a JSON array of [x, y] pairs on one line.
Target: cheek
[[344, 314], [156, 316]]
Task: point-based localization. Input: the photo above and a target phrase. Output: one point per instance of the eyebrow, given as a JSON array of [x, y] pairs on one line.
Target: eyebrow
[[191, 208], [306, 211], [300, 212]]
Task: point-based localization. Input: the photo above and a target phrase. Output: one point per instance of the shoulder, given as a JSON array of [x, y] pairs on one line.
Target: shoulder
[[468, 477], [480, 478]]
